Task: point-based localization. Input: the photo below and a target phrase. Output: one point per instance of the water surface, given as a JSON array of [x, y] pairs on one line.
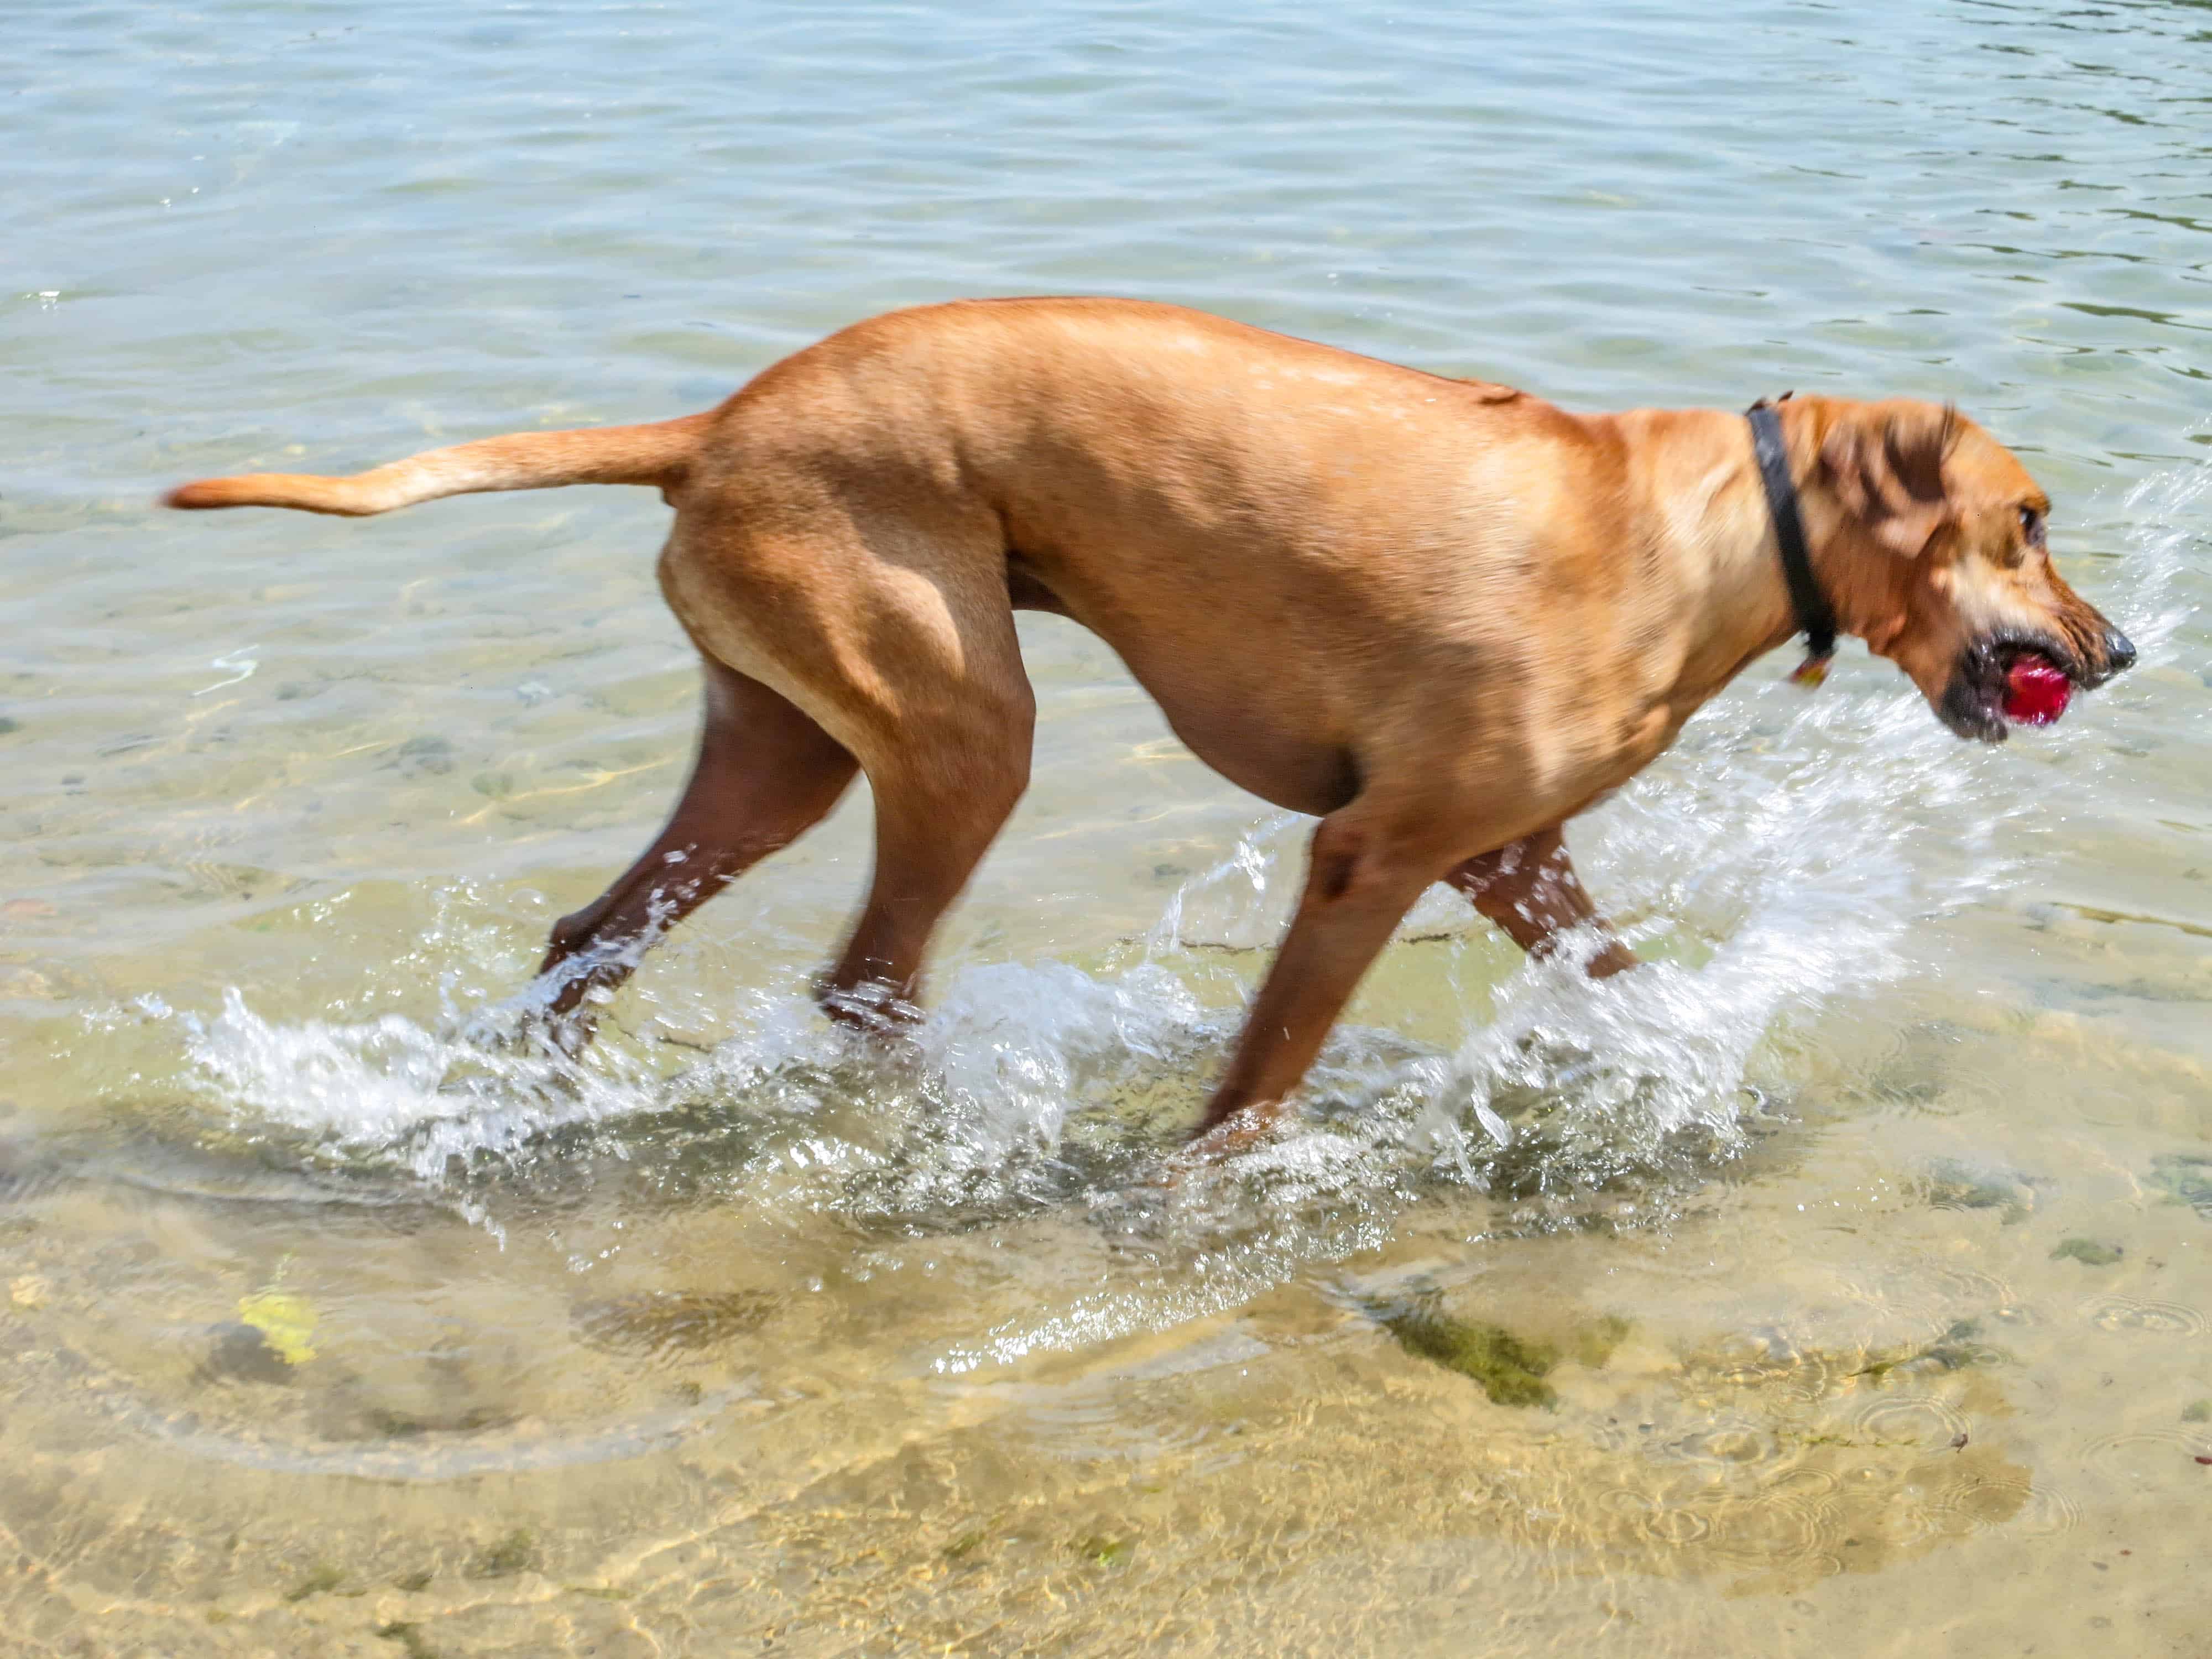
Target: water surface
[[1840, 1281]]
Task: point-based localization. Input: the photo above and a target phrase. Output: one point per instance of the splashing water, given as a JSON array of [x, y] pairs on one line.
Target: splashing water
[[2167, 514]]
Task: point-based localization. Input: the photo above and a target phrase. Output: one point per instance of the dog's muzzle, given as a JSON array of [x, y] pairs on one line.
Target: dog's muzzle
[[2023, 677]]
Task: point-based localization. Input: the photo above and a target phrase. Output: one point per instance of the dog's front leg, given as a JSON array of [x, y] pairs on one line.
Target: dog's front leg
[[1361, 879], [1528, 887]]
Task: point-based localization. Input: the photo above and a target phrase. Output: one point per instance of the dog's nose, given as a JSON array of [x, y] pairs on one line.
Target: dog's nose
[[2119, 652]]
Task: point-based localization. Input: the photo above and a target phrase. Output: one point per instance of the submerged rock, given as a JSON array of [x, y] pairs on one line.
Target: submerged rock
[[273, 1335], [1594, 1343], [240, 1352], [286, 1321]]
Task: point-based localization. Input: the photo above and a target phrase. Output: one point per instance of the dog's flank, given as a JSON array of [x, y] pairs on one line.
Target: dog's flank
[[1440, 619], [659, 454]]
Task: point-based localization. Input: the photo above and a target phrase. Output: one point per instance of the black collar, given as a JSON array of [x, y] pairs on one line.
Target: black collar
[[1814, 618]]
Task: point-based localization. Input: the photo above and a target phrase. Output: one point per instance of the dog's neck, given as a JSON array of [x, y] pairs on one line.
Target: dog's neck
[[1857, 577], [1703, 511], [1707, 509]]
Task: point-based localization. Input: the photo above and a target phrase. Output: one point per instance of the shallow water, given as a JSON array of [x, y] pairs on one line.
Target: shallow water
[[1843, 1280]]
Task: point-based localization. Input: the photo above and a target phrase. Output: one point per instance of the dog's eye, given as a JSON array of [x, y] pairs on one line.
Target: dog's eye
[[2031, 526]]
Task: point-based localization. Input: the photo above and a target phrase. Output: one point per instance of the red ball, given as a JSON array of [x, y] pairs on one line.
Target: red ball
[[2036, 691]]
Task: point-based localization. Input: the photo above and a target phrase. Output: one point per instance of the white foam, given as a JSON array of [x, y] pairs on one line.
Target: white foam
[[2166, 514]]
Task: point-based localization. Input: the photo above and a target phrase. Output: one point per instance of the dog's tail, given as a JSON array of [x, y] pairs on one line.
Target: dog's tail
[[661, 454]]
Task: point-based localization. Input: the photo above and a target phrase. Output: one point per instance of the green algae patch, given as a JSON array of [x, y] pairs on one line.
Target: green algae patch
[[2197, 1411], [409, 1637], [2089, 1252], [1953, 1185], [1960, 1348], [1511, 1370], [321, 1579], [2185, 1178], [517, 1552], [1103, 1551]]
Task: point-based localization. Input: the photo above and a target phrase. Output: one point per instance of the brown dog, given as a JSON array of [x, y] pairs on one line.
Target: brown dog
[[1442, 616]]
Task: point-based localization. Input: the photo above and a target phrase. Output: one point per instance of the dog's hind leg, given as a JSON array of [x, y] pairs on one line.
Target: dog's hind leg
[[886, 616], [1528, 887], [765, 774], [942, 791]]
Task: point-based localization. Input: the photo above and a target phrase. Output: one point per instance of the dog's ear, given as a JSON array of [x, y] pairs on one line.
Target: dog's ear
[[1886, 466]]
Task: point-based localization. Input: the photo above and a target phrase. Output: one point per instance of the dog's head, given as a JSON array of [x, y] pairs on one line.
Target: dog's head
[[1931, 535]]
